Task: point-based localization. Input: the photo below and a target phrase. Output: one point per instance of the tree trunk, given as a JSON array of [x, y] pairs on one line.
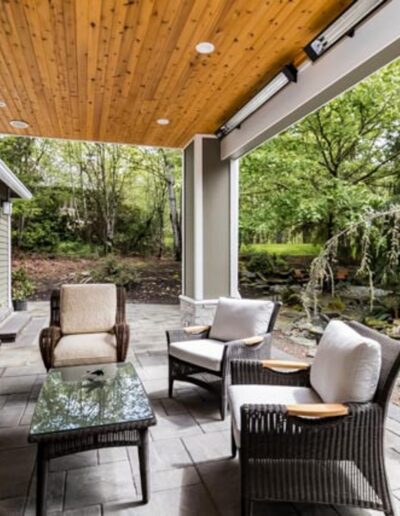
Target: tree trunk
[[173, 211]]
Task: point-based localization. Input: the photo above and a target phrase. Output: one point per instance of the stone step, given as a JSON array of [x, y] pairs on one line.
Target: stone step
[[13, 325]]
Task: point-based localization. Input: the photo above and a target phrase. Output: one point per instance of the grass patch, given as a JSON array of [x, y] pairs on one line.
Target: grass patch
[[283, 249]]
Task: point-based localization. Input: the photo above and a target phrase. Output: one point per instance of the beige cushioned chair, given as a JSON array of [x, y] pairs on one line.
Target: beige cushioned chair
[[87, 326], [242, 328]]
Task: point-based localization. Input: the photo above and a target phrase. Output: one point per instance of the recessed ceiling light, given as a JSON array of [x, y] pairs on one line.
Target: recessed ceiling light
[[19, 124], [205, 47], [163, 121], [2, 104]]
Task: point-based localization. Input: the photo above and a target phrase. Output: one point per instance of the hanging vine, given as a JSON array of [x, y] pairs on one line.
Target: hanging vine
[[386, 240]]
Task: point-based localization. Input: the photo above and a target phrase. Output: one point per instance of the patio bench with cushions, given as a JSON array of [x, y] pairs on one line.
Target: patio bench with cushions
[[87, 326], [242, 328], [315, 433]]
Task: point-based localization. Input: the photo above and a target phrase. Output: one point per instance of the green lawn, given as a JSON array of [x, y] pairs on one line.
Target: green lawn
[[285, 249]]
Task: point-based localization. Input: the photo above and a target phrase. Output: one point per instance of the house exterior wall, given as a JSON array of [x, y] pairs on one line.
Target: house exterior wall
[[5, 251]]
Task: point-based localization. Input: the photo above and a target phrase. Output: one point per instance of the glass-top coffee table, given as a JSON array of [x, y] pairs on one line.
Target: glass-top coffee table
[[88, 407]]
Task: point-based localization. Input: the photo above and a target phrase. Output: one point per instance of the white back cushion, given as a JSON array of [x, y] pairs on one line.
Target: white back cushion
[[240, 318], [88, 308], [346, 366]]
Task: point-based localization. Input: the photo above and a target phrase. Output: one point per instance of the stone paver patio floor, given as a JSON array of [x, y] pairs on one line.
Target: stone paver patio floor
[[192, 472]]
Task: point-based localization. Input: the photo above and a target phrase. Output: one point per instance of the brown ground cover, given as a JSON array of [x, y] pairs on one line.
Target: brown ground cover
[[158, 280]]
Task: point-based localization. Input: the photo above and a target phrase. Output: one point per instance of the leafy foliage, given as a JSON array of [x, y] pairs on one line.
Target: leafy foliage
[[22, 286], [109, 197], [113, 270], [325, 172]]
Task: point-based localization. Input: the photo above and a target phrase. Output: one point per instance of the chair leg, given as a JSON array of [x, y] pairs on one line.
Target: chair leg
[[170, 387], [223, 406], [233, 445], [245, 507]]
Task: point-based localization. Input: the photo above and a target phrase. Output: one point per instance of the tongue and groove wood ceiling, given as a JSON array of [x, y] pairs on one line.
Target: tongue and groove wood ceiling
[[106, 70]]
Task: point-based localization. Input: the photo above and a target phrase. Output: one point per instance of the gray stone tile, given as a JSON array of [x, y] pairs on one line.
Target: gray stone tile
[[164, 455], [187, 501], [171, 479], [10, 416], [16, 384], [77, 460], [173, 407], [55, 491], [216, 426], [14, 437], [29, 370], [99, 484], [93, 510], [16, 471], [156, 389], [226, 493], [393, 426], [12, 506], [153, 372], [28, 413], [209, 447], [174, 426], [112, 455]]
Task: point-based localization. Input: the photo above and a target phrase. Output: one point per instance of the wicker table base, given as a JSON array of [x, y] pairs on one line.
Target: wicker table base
[[84, 408], [50, 449]]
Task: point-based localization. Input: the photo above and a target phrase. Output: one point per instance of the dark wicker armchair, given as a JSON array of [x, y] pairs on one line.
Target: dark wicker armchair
[[50, 337], [215, 379], [326, 460]]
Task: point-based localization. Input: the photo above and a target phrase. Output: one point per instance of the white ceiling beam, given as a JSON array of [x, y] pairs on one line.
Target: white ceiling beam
[[375, 43]]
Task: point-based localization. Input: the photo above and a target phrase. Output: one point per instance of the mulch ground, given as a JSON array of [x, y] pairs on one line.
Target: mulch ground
[[158, 281]]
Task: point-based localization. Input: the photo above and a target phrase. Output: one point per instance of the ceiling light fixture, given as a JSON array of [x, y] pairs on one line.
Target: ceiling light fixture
[[343, 26], [19, 124], [2, 104], [286, 76], [205, 47], [163, 121]]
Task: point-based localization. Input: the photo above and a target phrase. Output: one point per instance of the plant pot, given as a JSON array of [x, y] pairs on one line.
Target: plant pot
[[20, 305]]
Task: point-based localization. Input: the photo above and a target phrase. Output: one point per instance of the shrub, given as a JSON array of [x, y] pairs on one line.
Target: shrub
[[22, 285], [113, 270], [265, 263], [261, 262]]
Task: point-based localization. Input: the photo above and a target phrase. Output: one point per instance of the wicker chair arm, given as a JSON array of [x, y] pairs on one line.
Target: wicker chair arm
[[196, 330], [179, 335], [285, 364], [48, 340], [122, 333], [253, 372], [318, 410], [249, 349]]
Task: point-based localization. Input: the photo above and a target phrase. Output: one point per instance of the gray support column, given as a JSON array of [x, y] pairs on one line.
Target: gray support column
[[210, 229]]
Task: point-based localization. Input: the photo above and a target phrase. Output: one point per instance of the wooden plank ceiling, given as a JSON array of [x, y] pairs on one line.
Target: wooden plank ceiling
[[106, 70]]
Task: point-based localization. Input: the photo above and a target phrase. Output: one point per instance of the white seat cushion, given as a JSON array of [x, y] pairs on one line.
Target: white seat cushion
[[201, 352], [240, 318], [239, 395], [88, 308], [346, 366], [87, 348]]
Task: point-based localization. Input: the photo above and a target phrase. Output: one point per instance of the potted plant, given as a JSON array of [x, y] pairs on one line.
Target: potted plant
[[22, 288]]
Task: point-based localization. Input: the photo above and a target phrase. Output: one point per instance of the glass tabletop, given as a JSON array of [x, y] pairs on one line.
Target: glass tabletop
[[74, 398]]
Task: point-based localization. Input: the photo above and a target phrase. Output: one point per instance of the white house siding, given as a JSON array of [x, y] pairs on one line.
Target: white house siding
[[4, 262]]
